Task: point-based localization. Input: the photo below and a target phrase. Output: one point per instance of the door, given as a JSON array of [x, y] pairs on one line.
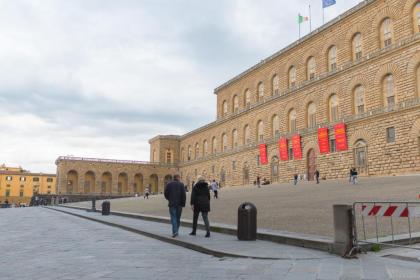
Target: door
[[311, 164]]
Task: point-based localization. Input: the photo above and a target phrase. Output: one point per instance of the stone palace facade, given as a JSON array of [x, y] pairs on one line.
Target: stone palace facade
[[346, 95]]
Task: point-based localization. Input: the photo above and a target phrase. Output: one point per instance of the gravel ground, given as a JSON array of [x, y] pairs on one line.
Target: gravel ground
[[305, 208]]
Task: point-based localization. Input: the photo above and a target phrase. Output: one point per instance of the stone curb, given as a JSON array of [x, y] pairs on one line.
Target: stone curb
[[173, 241], [288, 238]]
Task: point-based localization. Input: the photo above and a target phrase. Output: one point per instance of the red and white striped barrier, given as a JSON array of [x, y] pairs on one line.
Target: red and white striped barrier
[[386, 210]]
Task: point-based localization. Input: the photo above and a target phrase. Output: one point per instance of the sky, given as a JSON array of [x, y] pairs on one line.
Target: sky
[[99, 78]]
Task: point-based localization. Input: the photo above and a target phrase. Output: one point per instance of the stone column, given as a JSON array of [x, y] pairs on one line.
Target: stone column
[[343, 225]]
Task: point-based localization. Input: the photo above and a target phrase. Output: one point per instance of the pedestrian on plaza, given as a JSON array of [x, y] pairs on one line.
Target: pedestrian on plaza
[[354, 176], [258, 182], [295, 179], [215, 188], [146, 193], [192, 185], [175, 194], [200, 202], [6, 203], [351, 175], [317, 176]]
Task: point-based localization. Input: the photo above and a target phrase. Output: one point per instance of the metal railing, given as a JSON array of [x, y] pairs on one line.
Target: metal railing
[[386, 223], [71, 158]]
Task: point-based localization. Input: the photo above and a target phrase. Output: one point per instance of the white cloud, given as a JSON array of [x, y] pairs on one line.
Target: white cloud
[[99, 78]]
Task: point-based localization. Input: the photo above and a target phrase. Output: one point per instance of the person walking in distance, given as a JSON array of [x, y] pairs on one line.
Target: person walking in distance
[[295, 179], [200, 202], [146, 193], [258, 181], [215, 188], [317, 176], [175, 194]]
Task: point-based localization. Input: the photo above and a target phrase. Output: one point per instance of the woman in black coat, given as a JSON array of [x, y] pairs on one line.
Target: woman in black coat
[[200, 202]]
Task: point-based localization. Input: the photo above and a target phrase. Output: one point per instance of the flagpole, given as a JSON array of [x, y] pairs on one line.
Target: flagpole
[[310, 19], [299, 24], [323, 17]]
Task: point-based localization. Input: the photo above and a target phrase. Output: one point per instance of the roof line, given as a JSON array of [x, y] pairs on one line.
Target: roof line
[[296, 43]]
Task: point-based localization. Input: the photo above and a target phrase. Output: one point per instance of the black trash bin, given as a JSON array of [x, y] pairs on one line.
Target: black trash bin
[[93, 204], [106, 208], [247, 221]]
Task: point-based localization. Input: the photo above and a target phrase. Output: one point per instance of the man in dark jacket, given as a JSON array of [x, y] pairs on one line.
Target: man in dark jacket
[[200, 202], [175, 194]]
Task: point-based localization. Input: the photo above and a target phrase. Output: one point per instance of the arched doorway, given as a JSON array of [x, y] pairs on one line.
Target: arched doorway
[[89, 185], [153, 183], [122, 183], [72, 182], [106, 183], [138, 183], [361, 156], [274, 169], [167, 179], [245, 174], [311, 159]]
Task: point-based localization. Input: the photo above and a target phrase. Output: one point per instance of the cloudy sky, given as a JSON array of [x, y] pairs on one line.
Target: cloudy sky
[[98, 78]]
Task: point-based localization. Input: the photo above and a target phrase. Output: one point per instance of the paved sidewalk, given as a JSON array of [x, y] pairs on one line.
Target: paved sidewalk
[[220, 244], [38, 243]]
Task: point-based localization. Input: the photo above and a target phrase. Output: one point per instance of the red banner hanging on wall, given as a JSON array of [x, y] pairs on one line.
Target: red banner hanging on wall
[[323, 140], [283, 149], [297, 149], [263, 154], [340, 137]]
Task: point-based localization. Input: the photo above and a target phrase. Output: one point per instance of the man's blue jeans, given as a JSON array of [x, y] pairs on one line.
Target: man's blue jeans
[[175, 213]]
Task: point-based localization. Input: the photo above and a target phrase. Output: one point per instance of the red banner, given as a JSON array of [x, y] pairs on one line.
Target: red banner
[[263, 154], [297, 149], [323, 140], [340, 137], [283, 149]]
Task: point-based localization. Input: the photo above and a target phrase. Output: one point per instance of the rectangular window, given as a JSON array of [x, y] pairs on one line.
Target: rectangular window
[[49, 180], [358, 55], [22, 179], [9, 178], [7, 193], [36, 179], [388, 42], [290, 153], [390, 135], [332, 145], [333, 66], [48, 192], [233, 164], [49, 187], [21, 193]]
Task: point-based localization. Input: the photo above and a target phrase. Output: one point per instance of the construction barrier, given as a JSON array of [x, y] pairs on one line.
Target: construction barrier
[[387, 223]]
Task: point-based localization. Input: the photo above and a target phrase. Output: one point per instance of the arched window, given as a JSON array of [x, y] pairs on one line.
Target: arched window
[[225, 107], [205, 148], [182, 154], [224, 142], [235, 103], [333, 108], [360, 155], [197, 151], [332, 58], [214, 145], [292, 77], [189, 153], [247, 135], [311, 66], [260, 94], [388, 90], [359, 99], [416, 17], [292, 120], [386, 32], [275, 126], [154, 156], [260, 131], [168, 156], [275, 84], [357, 46], [234, 138], [311, 114], [247, 98]]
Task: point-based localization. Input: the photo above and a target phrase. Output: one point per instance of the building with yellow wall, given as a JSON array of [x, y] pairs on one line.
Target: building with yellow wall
[[19, 185]]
